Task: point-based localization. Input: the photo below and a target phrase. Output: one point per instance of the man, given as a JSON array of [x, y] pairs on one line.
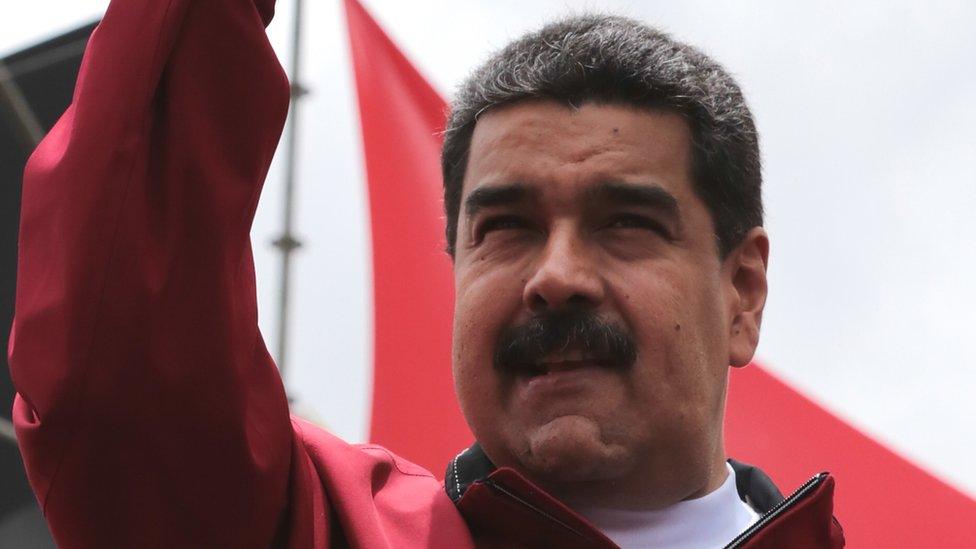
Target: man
[[602, 192]]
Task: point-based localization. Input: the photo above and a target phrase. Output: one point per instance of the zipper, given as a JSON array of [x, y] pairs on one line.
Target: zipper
[[777, 510], [511, 495]]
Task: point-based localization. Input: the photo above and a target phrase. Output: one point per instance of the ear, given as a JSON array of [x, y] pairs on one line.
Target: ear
[[745, 270]]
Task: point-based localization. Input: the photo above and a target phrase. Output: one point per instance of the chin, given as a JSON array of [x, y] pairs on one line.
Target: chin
[[572, 448]]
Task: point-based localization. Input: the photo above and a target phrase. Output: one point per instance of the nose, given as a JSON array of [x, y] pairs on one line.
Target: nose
[[565, 276]]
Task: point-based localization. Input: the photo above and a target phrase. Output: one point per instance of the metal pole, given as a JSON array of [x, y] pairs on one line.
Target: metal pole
[[7, 431], [287, 242], [29, 127]]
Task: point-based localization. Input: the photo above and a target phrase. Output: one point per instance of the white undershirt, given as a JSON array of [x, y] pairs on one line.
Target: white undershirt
[[708, 522]]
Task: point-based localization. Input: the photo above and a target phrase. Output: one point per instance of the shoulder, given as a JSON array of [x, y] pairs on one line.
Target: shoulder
[[326, 448], [374, 492]]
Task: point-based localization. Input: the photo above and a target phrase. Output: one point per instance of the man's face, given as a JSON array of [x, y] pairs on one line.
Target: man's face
[[591, 211]]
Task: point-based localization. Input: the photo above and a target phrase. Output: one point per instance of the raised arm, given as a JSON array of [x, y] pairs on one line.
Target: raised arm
[[149, 413]]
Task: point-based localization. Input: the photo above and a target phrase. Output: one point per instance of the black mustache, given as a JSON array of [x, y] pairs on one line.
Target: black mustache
[[527, 344]]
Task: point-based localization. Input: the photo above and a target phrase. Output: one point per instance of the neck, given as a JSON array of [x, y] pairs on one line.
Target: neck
[[644, 490]]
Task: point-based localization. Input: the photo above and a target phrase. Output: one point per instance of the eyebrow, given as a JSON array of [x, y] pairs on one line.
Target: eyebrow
[[643, 196], [501, 195]]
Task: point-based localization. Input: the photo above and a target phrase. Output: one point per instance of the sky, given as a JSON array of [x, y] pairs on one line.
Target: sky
[[865, 113]]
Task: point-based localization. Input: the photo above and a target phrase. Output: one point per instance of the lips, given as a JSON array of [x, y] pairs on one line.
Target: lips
[[563, 362]]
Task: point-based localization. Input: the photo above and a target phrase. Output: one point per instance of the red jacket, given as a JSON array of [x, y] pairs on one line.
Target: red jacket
[[503, 509], [149, 412]]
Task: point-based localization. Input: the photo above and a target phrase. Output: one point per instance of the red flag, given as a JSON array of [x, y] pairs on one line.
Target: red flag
[[414, 410], [882, 499]]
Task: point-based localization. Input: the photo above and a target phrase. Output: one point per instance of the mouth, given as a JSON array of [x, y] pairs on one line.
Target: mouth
[[557, 363], [563, 378]]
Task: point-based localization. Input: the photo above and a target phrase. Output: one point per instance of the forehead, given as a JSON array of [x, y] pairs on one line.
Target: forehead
[[539, 142]]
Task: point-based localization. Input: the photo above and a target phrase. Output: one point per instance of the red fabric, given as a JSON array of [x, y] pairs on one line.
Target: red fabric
[[149, 412], [499, 521], [790, 437], [802, 525], [506, 510], [414, 410]]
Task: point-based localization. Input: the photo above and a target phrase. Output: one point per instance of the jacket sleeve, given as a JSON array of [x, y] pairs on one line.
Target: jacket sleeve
[[149, 412]]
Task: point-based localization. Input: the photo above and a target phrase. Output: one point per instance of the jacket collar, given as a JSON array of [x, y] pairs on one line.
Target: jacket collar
[[504, 509], [468, 467], [472, 465]]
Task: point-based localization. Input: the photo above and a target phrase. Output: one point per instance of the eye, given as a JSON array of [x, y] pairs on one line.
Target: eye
[[500, 223], [636, 221]]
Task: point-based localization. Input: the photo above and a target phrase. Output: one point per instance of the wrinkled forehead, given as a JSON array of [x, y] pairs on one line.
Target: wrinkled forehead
[[540, 142]]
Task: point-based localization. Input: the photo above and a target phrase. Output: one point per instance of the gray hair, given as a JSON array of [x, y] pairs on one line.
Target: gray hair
[[612, 59]]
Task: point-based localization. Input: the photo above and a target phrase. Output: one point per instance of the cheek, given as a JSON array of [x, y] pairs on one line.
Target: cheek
[[485, 303], [675, 316]]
